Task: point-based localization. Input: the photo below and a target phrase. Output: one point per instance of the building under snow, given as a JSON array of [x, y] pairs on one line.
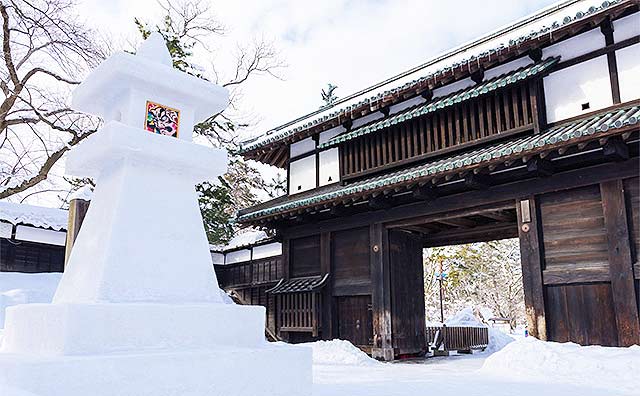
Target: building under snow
[[530, 131]]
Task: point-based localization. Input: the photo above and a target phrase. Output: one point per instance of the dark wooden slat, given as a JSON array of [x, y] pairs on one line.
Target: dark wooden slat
[[620, 264]]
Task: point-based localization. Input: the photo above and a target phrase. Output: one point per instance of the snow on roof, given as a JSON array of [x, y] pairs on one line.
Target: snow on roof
[[37, 216], [245, 239], [543, 22], [85, 193]]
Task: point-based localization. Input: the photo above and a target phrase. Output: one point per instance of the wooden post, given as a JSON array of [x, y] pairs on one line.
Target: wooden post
[[531, 249], [381, 293], [77, 210], [620, 264], [327, 299]]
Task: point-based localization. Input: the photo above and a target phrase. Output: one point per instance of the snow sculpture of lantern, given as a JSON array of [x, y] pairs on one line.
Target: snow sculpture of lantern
[[138, 310]]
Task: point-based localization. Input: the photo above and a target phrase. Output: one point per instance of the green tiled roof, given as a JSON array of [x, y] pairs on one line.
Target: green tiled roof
[[447, 101], [338, 110], [568, 132]]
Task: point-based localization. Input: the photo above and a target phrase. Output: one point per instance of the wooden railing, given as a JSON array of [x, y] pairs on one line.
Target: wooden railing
[[455, 338], [300, 312], [503, 113], [256, 272]]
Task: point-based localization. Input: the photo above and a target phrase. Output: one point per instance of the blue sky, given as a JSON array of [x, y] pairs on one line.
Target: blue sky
[[350, 43]]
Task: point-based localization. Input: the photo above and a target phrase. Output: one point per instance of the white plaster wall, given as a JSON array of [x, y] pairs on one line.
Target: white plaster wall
[[576, 46], [302, 147], [302, 174], [628, 60], [567, 89], [626, 27], [217, 258], [331, 133], [238, 256], [507, 67], [329, 166], [40, 235], [454, 87], [270, 250]]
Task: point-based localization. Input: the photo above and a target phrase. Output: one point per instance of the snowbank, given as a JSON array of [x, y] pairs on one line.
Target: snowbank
[[466, 318], [592, 366], [338, 352], [18, 288], [37, 216]]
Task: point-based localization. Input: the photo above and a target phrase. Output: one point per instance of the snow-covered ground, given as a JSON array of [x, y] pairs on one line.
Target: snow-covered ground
[[524, 367]]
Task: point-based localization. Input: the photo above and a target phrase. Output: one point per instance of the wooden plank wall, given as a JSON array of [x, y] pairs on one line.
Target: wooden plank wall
[[355, 321], [632, 196], [467, 123], [305, 256], [407, 292], [350, 262], [586, 264], [31, 257]]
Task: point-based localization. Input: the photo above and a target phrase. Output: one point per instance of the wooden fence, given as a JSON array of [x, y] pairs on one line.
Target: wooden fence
[[458, 338]]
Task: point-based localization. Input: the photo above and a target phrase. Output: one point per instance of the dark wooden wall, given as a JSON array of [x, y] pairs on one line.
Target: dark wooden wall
[[407, 292], [22, 256], [305, 256], [578, 256], [632, 196], [507, 111], [350, 262]]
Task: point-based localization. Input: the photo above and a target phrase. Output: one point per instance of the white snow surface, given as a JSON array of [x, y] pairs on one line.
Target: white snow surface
[[85, 193], [608, 368], [19, 288], [38, 216]]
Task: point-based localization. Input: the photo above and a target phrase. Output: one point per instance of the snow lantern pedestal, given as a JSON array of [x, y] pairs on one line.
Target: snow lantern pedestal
[[138, 310]]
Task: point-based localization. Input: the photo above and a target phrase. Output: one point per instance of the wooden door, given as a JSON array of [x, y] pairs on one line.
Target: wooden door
[[354, 320]]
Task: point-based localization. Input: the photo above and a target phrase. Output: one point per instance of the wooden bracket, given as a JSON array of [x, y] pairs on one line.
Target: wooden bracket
[[478, 75], [347, 125], [540, 167], [478, 181], [615, 149], [380, 202], [535, 54], [426, 192], [427, 94], [385, 110]]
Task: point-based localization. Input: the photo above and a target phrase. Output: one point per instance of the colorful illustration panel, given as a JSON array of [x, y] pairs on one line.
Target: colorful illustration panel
[[162, 120]]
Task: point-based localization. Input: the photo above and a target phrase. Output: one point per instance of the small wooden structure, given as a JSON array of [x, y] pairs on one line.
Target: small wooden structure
[[462, 339]]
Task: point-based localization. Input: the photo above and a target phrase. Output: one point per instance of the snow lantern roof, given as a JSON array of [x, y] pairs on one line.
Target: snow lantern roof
[[37, 216], [111, 87]]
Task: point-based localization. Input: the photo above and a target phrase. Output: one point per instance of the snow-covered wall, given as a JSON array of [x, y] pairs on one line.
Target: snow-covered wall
[[39, 235], [238, 256], [269, 250], [578, 89], [302, 174]]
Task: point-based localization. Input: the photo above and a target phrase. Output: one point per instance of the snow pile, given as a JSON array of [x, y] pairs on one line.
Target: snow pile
[[466, 318], [84, 193], [592, 366], [339, 352], [18, 288], [244, 239], [37, 216]]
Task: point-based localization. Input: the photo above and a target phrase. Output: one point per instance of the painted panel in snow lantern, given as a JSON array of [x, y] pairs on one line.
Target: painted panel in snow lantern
[[162, 120]]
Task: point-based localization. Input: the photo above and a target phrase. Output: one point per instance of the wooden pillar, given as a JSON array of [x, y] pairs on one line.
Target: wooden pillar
[[620, 264], [77, 210], [286, 260], [380, 293], [327, 297], [531, 253]]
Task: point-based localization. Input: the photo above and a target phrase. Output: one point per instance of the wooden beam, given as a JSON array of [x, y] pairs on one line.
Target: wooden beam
[[460, 222], [327, 300], [531, 249], [501, 216], [540, 167], [381, 293], [620, 264], [615, 149], [483, 233], [380, 202]]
